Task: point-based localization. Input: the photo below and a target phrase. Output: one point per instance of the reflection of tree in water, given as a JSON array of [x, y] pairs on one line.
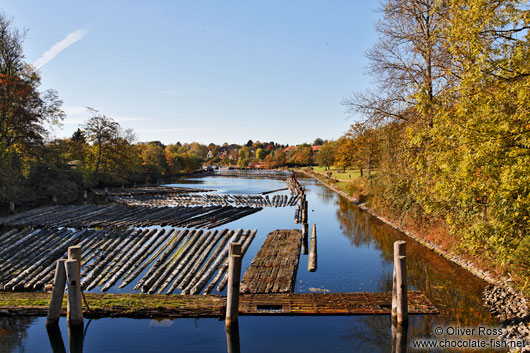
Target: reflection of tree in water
[[12, 332], [354, 223], [456, 292], [324, 195]]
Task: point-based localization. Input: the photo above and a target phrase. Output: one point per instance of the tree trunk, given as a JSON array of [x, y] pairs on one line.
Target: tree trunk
[[99, 158]]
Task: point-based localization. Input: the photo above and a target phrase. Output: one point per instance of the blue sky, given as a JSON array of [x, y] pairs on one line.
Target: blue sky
[[206, 71]]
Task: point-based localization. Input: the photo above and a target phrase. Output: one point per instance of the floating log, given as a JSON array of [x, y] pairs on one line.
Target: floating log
[[206, 266], [224, 267], [273, 269], [143, 254], [177, 262], [312, 259], [192, 259], [194, 271], [246, 244], [258, 201], [153, 272], [206, 276]]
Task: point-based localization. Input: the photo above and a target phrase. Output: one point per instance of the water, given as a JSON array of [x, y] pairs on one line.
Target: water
[[354, 254]]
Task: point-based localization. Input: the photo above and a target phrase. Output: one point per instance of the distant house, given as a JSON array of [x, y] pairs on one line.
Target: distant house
[[288, 149]]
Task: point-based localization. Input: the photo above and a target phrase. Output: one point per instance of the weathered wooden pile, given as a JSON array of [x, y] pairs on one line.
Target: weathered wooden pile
[[274, 267], [233, 200], [161, 259], [115, 215]]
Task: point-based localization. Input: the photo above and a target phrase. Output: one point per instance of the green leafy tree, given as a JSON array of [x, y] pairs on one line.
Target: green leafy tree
[[326, 155]]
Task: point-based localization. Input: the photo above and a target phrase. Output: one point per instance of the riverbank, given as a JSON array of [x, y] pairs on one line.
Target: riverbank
[[500, 298], [484, 274]]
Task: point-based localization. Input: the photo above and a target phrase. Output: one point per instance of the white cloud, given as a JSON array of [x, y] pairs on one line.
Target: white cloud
[[58, 47]]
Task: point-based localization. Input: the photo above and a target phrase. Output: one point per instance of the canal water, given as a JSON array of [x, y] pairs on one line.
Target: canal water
[[354, 255]]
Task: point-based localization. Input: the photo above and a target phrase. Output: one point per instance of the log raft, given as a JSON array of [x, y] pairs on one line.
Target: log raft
[[175, 306], [274, 268], [91, 216], [166, 258]]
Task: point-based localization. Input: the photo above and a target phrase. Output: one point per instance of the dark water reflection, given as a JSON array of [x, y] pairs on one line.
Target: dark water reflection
[[354, 254]]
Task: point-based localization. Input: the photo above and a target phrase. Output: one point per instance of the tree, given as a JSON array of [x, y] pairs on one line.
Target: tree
[[326, 155], [318, 142], [100, 130], [24, 111], [260, 154], [345, 152], [409, 63]]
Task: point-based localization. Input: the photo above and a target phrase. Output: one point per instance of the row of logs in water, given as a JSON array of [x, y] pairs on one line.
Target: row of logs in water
[[115, 215], [153, 260], [208, 200]]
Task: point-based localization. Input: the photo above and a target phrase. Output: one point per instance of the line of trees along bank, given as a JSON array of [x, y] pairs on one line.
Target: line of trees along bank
[[448, 126]]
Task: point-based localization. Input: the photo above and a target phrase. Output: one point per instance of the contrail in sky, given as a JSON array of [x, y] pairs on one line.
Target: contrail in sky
[[58, 47]]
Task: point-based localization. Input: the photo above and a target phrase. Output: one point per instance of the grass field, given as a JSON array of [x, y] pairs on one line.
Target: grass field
[[349, 175]]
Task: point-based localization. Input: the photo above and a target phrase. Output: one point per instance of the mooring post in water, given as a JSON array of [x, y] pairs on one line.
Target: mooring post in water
[[11, 207], [305, 230], [74, 253], [75, 308], [304, 212], [400, 288], [85, 196], [56, 301], [54, 200], [312, 261], [234, 277]]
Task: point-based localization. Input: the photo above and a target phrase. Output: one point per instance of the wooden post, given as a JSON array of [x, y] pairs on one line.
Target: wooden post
[[400, 288], [312, 261], [234, 277], [296, 212], [106, 191], [305, 230], [11, 207], [54, 200], [74, 253], [85, 196], [56, 301], [75, 308]]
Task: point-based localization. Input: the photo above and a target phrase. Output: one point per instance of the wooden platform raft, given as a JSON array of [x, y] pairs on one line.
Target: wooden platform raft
[[123, 216], [274, 268], [175, 306]]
